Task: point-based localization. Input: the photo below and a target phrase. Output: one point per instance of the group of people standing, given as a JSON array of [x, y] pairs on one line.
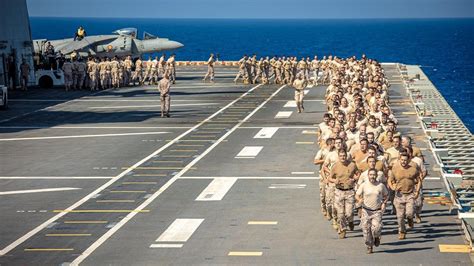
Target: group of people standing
[[282, 70], [366, 164], [105, 73]]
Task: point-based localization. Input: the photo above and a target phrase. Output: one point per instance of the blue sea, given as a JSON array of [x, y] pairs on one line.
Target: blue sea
[[443, 47]]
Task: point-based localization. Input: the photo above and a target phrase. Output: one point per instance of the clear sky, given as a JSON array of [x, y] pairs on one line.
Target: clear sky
[[252, 8]]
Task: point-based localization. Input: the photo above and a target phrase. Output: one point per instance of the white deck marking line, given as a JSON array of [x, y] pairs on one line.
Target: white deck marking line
[[180, 230], [151, 106], [290, 104], [86, 127], [287, 186], [283, 114], [166, 245], [432, 178], [98, 99], [104, 237], [254, 177], [149, 200], [306, 92], [302, 173], [288, 127], [266, 133], [217, 189], [88, 136], [244, 157], [46, 108], [466, 215], [53, 177], [250, 151], [28, 191]]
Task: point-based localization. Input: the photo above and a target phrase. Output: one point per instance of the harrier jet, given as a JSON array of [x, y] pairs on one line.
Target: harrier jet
[[121, 42]]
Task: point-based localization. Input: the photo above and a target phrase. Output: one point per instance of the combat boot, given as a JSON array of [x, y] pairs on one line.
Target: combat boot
[[370, 250], [351, 226], [417, 219], [298, 105], [410, 223], [402, 236], [377, 241], [342, 234]]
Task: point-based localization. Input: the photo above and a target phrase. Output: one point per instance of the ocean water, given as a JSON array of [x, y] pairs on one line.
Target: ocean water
[[443, 47]]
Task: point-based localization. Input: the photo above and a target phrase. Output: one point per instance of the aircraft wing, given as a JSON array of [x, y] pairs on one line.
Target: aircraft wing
[[67, 46]]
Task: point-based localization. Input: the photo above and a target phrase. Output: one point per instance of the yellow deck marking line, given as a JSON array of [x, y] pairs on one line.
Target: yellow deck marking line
[[455, 248], [128, 191], [207, 132], [177, 156], [66, 235], [139, 183], [100, 211], [262, 223], [85, 222], [115, 201], [408, 113], [158, 168], [158, 175], [245, 253], [168, 161], [191, 145], [304, 142], [48, 249]]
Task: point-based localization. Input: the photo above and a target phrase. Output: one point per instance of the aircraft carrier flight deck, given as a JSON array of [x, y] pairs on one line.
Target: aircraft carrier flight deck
[[99, 178]]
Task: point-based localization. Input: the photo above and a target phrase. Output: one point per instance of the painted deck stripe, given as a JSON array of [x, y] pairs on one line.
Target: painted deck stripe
[[455, 248], [266, 133], [250, 151], [306, 92], [67, 235], [139, 183], [155, 195], [245, 253], [54, 177], [143, 175], [302, 173], [244, 157], [151, 106], [115, 201], [217, 189], [262, 223], [28, 191], [290, 104], [85, 222], [166, 245], [255, 177], [48, 249], [180, 230], [128, 191], [99, 211], [304, 142], [87, 136], [283, 114]]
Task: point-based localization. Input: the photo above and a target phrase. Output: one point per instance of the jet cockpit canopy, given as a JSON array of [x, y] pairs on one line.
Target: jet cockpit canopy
[[133, 32], [149, 36]]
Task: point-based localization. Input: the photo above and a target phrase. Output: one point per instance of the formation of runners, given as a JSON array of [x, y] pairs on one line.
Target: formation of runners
[[365, 163], [105, 73]]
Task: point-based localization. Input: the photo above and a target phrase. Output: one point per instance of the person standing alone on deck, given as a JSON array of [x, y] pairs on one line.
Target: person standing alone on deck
[[299, 84], [164, 88], [210, 69]]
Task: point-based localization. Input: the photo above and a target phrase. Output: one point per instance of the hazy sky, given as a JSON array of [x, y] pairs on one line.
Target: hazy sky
[[252, 8]]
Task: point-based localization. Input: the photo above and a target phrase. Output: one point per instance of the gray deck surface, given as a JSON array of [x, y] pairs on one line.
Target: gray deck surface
[[109, 121]]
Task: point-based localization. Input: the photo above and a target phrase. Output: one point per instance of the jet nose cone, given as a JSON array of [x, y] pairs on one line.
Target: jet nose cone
[[175, 45]]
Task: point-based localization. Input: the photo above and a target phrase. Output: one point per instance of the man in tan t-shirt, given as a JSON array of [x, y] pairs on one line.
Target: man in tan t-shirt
[[405, 179], [319, 160], [344, 175], [330, 160], [299, 85]]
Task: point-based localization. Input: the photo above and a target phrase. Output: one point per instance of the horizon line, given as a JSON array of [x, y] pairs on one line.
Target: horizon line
[[232, 18]]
